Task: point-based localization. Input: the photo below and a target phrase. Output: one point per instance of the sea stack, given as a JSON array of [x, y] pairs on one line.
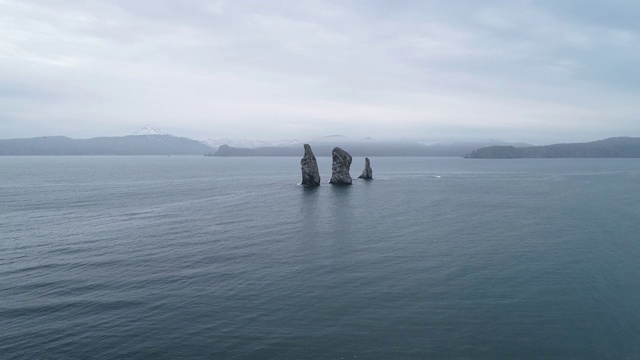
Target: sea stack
[[340, 167], [367, 173], [310, 173]]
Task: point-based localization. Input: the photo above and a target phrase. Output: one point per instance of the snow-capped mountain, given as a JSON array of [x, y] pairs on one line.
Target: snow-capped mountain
[[148, 130], [250, 144]]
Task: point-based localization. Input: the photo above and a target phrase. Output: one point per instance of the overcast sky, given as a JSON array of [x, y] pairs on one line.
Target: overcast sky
[[537, 71]]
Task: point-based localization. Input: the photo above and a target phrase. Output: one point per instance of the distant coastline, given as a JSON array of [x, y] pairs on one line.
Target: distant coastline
[[156, 143], [123, 145], [617, 147], [361, 149], [165, 144]]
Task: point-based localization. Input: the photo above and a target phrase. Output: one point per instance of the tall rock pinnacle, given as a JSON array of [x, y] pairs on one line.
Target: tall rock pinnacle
[[340, 167], [310, 173], [367, 173]]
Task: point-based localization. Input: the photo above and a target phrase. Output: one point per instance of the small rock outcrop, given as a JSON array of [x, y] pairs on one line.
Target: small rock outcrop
[[367, 173], [340, 167], [310, 173]]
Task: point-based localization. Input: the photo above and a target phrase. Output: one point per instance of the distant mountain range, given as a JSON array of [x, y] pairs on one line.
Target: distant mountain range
[[148, 130], [617, 147], [149, 140], [360, 147], [124, 145]]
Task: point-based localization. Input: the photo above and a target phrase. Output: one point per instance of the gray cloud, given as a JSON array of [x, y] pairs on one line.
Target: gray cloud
[[535, 71]]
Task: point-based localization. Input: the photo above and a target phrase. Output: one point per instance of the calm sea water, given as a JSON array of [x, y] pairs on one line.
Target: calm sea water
[[228, 258]]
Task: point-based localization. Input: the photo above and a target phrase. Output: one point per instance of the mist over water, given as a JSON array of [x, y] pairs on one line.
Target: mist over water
[[208, 257]]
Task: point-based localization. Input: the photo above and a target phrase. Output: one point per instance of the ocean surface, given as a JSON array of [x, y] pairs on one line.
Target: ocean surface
[[229, 258]]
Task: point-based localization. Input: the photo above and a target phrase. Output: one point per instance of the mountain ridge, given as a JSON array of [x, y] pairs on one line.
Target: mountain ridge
[[359, 147], [148, 130], [615, 147], [120, 145], [165, 144]]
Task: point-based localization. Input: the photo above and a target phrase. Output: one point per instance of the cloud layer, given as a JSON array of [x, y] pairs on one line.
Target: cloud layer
[[538, 71]]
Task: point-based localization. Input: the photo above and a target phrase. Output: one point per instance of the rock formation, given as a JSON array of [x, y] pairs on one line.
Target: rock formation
[[367, 173], [310, 173], [340, 167]]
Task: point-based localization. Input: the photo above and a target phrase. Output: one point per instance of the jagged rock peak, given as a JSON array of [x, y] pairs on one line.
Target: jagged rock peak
[[367, 173], [310, 173], [340, 167], [148, 130]]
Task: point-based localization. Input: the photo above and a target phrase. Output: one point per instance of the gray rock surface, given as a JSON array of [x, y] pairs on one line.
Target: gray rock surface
[[367, 173], [340, 167], [310, 173]]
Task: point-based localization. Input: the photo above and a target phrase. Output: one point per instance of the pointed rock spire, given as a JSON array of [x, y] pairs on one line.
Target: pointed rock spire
[[310, 173], [367, 173]]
